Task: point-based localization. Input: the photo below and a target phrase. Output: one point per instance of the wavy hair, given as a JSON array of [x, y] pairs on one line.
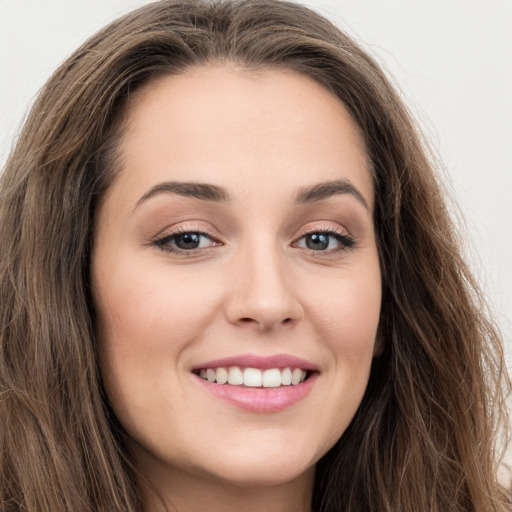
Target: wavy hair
[[424, 437]]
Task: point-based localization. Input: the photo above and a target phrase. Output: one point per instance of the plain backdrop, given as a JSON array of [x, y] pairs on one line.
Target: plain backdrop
[[451, 59]]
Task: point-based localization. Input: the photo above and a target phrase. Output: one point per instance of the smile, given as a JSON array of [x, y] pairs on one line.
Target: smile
[[254, 377], [262, 384]]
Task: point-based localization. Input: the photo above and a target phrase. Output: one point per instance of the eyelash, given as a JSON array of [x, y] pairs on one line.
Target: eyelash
[[346, 241], [164, 243]]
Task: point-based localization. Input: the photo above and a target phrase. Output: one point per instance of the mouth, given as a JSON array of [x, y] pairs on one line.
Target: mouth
[[258, 384], [254, 377]]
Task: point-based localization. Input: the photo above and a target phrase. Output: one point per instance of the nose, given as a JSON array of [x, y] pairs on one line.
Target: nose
[[263, 296]]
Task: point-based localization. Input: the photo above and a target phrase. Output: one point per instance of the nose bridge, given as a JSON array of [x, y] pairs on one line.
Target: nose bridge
[[264, 294]]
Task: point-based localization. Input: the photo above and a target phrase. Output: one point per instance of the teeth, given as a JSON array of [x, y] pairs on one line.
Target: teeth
[[296, 376], [221, 375], [286, 377], [272, 378], [254, 377], [235, 377]]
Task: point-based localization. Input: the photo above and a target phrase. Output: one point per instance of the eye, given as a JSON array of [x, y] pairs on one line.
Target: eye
[[185, 241], [325, 241]]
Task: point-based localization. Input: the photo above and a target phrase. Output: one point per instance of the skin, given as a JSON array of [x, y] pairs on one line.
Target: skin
[[252, 287]]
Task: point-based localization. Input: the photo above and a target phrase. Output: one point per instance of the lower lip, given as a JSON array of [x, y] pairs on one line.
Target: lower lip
[[261, 399]]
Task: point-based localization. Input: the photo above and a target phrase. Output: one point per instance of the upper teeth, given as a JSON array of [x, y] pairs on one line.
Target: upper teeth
[[254, 377]]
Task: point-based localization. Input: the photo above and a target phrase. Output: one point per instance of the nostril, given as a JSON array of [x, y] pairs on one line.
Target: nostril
[[266, 322], [248, 320]]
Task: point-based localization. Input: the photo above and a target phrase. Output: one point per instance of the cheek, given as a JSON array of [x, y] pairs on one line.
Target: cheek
[[149, 308], [144, 321], [347, 311]]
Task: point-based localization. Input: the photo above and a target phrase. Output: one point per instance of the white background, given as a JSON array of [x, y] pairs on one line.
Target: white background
[[452, 60]]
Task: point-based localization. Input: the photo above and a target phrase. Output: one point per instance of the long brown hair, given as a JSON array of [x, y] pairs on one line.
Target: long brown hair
[[424, 437]]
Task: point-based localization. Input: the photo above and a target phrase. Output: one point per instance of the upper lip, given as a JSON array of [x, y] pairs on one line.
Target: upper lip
[[258, 361]]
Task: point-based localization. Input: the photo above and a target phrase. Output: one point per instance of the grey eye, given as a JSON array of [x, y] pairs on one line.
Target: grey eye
[[187, 241], [324, 241], [320, 241], [317, 241]]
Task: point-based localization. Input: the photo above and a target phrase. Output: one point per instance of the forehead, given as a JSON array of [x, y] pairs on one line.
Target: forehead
[[224, 124]]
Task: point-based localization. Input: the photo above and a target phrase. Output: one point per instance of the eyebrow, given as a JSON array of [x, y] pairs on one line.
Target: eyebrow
[[208, 192], [203, 191], [328, 189]]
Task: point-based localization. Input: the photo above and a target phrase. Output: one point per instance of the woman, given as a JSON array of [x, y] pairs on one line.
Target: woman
[[228, 280]]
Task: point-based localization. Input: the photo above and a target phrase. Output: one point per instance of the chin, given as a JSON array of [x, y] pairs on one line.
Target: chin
[[262, 463], [261, 473]]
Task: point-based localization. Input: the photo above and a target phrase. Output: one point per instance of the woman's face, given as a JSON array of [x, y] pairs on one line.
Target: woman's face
[[237, 243]]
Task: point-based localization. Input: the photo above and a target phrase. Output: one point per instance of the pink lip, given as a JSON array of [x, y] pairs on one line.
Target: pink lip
[[262, 362], [261, 399]]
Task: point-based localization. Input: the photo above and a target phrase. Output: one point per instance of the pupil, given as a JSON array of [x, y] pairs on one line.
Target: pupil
[[317, 241], [188, 241]]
